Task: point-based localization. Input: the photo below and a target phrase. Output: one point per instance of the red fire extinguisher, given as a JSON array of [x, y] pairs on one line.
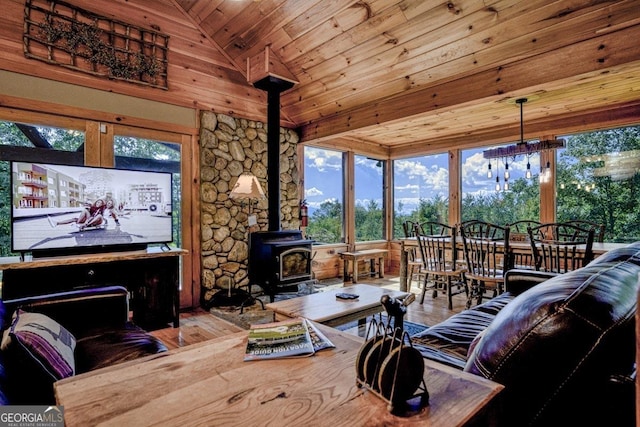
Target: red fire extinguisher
[[304, 218]]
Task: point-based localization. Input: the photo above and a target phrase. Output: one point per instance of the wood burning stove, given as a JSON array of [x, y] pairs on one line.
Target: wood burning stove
[[279, 260]]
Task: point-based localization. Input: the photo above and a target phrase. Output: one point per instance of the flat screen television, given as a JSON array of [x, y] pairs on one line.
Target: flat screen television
[[59, 209]]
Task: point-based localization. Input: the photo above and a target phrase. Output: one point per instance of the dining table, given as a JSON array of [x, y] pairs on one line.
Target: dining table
[[522, 247]]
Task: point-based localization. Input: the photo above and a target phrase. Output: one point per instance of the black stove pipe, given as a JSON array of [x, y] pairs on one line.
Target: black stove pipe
[[274, 86], [273, 157]]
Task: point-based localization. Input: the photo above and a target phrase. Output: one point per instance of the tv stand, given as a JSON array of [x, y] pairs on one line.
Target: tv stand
[[151, 275]]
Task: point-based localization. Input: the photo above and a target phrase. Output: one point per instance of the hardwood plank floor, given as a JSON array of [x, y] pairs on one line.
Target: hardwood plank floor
[[199, 325]]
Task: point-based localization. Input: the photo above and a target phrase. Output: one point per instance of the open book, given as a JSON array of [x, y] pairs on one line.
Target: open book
[[288, 338]]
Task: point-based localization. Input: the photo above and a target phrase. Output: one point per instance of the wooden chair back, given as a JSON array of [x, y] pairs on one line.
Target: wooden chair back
[[518, 233], [487, 256], [437, 243], [438, 249], [598, 233], [561, 247]]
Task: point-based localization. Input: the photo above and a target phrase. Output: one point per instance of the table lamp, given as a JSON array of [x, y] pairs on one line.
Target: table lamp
[[248, 187]]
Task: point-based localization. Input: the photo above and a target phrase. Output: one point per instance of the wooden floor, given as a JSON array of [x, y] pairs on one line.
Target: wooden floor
[[199, 325]]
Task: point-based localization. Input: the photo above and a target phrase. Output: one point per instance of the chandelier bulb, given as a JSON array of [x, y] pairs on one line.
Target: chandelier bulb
[[489, 173], [497, 183], [506, 185]]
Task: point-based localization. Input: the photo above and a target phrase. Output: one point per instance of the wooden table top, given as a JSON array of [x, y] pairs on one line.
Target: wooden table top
[[598, 248], [324, 306], [210, 384]]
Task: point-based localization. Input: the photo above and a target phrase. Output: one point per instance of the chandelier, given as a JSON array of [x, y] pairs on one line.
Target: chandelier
[[521, 148]]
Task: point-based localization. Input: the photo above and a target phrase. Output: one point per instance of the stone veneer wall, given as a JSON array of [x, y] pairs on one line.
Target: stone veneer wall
[[229, 147]]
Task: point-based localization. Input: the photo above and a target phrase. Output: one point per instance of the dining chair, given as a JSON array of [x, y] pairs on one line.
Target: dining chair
[[437, 243], [487, 256], [599, 229], [561, 247], [414, 263], [518, 233]]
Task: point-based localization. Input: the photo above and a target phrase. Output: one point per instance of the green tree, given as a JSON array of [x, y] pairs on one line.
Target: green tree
[[325, 224], [606, 196], [369, 222]]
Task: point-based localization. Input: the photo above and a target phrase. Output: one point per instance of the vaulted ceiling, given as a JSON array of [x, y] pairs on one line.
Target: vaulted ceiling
[[425, 73], [391, 77]]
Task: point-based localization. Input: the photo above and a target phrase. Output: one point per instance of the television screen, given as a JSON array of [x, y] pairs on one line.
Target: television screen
[[60, 207]]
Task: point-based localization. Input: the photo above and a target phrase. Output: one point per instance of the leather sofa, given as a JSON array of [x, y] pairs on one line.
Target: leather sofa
[[97, 321], [562, 345]]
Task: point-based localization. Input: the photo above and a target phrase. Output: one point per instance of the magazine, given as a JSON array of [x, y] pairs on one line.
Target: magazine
[[319, 340], [288, 338]]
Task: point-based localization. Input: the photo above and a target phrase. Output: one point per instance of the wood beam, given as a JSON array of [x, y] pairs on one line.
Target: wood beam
[[599, 54]]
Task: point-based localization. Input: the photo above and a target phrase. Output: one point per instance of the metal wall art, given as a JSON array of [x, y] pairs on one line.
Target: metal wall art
[[62, 34]]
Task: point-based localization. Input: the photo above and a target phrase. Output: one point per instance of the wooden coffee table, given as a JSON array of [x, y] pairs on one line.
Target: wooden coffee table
[[210, 384], [325, 308]]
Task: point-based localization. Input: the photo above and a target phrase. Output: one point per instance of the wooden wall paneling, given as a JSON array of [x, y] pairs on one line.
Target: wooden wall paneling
[[326, 262]]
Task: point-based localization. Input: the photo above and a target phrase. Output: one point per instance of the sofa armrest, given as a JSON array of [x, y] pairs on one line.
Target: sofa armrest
[[79, 311], [517, 281]]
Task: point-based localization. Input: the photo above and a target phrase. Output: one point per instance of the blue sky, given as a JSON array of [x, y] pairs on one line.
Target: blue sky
[[415, 178]]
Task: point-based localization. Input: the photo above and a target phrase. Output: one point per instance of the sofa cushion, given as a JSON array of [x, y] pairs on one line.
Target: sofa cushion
[[555, 346], [448, 342], [109, 347]]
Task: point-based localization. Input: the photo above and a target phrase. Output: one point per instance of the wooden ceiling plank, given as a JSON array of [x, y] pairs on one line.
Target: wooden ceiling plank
[[187, 5], [596, 54], [547, 39], [316, 14], [216, 20], [361, 77], [365, 64], [565, 99], [395, 35], [262, 17], [203, 8]]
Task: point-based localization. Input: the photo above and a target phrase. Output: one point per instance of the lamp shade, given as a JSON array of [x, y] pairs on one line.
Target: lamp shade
[[247, 187]]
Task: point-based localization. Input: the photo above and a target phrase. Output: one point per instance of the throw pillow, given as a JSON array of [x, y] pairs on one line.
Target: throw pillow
[[43, 340]]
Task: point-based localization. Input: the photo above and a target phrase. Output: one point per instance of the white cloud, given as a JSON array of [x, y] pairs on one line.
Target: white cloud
[[323, 160], [313, 191]]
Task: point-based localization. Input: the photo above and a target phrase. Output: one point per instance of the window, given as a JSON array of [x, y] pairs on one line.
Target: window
[[486, 198], [324, 194], [369, 195], [145, 154], [598, 179], [20, 139], [421, 190]]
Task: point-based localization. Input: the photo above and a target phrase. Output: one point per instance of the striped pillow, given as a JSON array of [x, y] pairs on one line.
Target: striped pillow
[[44, 340]]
